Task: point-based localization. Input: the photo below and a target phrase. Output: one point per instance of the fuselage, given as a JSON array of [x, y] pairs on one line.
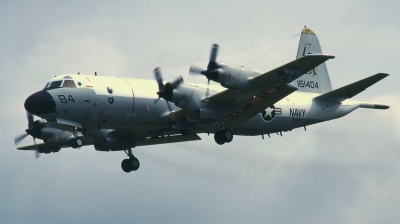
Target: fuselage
[[99, 102]]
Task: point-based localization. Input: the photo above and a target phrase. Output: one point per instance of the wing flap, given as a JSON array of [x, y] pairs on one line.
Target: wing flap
[[346, 92], [170, 139]]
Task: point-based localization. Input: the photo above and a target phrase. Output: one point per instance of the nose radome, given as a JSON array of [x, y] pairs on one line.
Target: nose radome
[[40, 103]]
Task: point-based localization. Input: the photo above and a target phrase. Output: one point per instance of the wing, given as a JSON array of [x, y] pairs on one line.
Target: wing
[[269, 88]]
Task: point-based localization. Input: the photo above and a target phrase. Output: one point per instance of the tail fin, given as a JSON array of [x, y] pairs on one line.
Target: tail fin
[[317, 80]]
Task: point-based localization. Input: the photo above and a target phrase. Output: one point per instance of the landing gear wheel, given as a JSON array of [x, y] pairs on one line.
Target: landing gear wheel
[[134, 162], [219, 138], [126, 165], [223, 136], [131, 164], [227, 135], [76, 143]]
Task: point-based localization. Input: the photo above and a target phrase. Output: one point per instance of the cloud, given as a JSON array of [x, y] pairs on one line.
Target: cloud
[[340, 171]]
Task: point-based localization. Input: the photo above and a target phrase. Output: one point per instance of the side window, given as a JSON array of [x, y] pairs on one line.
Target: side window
[[69, 84]]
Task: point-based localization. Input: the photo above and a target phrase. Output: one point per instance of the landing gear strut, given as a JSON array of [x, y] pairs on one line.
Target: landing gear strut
[[76, 142], [131, 164], [223, 136]]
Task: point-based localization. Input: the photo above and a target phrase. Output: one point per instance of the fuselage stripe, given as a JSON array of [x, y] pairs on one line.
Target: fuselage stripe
[[133, 102]]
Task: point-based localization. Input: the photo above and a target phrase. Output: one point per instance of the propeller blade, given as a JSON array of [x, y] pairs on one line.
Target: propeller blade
[[158, 77], [176, 82], [37, 154], [19, 138], [214, 52], [194, 70], [156, 100], [169, 106], [31, 122]]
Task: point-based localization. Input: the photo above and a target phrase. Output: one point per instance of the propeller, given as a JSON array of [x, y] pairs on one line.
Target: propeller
[[212, 72], [31, 125], [34, 129], [165, 91]]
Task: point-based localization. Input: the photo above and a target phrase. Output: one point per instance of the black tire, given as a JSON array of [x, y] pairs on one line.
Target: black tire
[[126, 165], [227, 135], [76, 143], [73, 144], [219, 138], [135, 164]]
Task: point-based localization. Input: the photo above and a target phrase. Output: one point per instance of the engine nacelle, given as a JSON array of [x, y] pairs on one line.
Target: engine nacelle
[[187, 96], [233, 77]]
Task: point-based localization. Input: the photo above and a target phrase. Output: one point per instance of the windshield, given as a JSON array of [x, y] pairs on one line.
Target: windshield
[[69, 84], [55, 84], [60, 84]]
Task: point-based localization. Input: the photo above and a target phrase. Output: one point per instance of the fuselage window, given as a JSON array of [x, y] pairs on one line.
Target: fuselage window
[[69, 84]]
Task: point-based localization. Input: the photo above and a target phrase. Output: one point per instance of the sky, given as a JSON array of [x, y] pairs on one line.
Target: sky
[[341, 171]]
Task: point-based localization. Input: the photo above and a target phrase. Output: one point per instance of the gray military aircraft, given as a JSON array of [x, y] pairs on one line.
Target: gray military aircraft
[[114, 113]]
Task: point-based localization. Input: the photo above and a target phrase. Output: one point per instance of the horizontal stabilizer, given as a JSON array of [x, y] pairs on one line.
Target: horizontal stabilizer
[[346, 92]]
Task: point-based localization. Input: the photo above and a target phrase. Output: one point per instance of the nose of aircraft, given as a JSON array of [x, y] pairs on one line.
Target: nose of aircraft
[[40, 103]]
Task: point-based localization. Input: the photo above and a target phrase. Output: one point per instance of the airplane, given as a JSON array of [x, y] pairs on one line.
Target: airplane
[[118, 114]]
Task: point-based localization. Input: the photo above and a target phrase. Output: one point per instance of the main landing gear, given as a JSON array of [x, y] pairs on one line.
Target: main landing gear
[[76, 142], [131, 164], [223, 136]]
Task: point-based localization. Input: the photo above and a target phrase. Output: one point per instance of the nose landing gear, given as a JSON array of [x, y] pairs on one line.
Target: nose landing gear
[[131, 164]]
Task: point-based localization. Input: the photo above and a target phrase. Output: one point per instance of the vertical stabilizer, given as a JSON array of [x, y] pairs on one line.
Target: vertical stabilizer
[[317, 80]]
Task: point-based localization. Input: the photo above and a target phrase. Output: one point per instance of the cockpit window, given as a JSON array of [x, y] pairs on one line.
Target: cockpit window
[[69, 84], [55, 84], [47, 85]]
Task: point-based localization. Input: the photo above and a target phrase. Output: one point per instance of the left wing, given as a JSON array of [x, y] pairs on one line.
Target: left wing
[[269, 88]]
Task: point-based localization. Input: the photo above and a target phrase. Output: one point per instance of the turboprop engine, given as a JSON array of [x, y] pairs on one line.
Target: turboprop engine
[[182, 95], [232, 77]]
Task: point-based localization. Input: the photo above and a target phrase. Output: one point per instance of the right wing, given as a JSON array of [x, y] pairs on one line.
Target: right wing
[[269, 88]]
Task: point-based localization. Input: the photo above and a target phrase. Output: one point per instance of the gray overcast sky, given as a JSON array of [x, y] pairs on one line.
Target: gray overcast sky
[[342, 171]]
